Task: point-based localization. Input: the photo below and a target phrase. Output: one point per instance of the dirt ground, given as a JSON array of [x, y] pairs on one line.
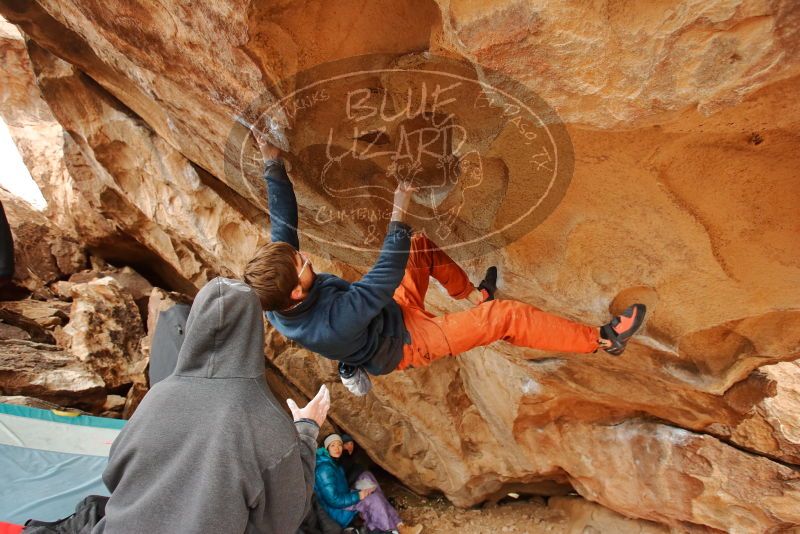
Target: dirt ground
[[438, 515], [558, 515]]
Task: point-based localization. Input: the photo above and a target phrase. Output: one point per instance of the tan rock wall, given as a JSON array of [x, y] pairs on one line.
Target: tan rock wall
[[48, 373], [42, 254], [684, 196], [104, 330]]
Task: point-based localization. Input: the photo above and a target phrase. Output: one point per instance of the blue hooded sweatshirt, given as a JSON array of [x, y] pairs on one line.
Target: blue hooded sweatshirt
[[359, 324], [330, 485]]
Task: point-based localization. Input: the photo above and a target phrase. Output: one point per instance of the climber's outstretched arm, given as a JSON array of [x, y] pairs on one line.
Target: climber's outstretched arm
[[280, 192], [282, 204]]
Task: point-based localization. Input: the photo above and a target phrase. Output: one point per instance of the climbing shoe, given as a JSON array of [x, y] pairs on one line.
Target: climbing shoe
[[488, 285], [622, 327], [355, 379]]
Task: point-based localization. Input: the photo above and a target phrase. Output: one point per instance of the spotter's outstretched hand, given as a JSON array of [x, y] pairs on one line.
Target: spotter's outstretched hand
[[316, 409]]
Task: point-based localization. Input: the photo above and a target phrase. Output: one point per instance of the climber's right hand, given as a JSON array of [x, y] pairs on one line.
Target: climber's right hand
[[402, 198], [268, 151]]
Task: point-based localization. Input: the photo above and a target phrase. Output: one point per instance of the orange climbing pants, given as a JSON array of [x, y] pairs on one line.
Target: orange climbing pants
[[435, 337]]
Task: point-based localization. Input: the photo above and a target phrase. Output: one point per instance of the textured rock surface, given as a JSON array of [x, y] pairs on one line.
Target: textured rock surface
[[684, 139], [706, 473], [48, 373], [39, 137], [114, 406], [139, 388], [44, 314], [42, 253], [8, 331], [99, 187], [620, 63], [583, 517], [37, 319], [774, 428], [104, 330], [135, 284], [151, 206]]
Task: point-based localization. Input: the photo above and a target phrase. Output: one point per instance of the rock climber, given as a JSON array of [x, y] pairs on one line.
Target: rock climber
[[379, 324]]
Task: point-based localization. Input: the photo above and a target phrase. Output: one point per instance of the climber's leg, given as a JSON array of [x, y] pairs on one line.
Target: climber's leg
[[425, 260], [518, 323], [515, 322]]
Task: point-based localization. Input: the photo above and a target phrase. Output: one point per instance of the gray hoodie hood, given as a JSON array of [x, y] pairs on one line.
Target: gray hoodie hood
[[210, 449], [224, 333]]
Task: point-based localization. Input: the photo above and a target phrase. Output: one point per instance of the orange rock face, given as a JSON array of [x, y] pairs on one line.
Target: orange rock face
[[682, 193]]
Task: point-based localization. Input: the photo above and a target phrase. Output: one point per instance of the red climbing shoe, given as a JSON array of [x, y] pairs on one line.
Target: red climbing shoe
[[622, 327]]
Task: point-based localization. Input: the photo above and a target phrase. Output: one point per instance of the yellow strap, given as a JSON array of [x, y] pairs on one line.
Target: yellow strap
[[67, 413]]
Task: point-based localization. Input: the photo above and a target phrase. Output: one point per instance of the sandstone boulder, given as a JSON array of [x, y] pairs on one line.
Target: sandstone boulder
[[41, 253], [104, 330], [48, 373], [585, 517], [774, 426], [707, 474], [683, 196], [8, 331], [139, 388], [39, 319], [50, 155], [153, 207], [113, 407], [134, 283], [46, 314]]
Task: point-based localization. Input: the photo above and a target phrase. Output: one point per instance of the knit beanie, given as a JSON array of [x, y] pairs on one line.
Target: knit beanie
[[330, 439]]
